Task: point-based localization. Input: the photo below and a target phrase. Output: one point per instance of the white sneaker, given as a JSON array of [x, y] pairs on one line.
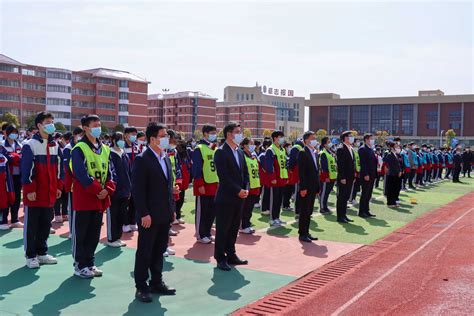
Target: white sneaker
[[181, 221], [122, 244], [96, 271], [52, 231], [69, 236], [126, 228], [17, 225], [175, 222], [354, 202], [32, 263], [247, 230], [173, 233], [266, 212], [256, 205], [134, 228], [170, 251], [84, 273], [47, 259], [113, 244], [275, 223], [212, 238], [204, 240], [4, 227], [281, 222], [165, 254], [58, 219]]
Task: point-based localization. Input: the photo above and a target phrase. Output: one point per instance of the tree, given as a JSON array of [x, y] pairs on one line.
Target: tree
[[60, 127], [381, 137], [220, 134], [10, 118], [119, 128], [267, 133], [104, 129], [293, 136], [355, 133], [30, 121], [182, 134], [320, 133], [197, 135], [450, 134], [247, 133]]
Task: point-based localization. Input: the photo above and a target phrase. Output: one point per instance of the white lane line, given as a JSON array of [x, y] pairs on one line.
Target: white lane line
[[390, 271]]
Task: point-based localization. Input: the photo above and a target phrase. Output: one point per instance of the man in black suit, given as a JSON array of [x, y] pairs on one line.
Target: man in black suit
[[345, 175], [309, 184], [152, 191], [231, 194], [368, 174]]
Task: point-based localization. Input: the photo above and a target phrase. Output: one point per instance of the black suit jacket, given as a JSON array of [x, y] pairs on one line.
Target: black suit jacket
[[345, 164], [232, 177], [308, 172], [152, 192], [368, 162]]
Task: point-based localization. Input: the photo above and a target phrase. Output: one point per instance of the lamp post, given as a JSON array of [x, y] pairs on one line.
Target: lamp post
[[441, 138]]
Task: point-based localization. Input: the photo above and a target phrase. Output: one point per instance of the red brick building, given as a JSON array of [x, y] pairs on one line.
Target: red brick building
[[118, 97], [255, 116], [185, 111], [423, 117]]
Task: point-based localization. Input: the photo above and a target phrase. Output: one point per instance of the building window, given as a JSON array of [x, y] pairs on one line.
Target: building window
[[455, 119], [83, 79], [396, 120], [78, 116], [12, 111], [251, 97], [339, 121], [124, 108], [35, 73], [57, 101], [58, 88], [33, 86], [83, 104], [381, 118], [9, 97], [107, 118], [247, 97], [407, 119], [34, 100], [107, 81], [123, 84], [83, 92], [110, 106], [9, 68], [123, 95], [109, 94], [360, 118], [58, 75], [124, 120], [432, 120], [9, 83], [61, 115]]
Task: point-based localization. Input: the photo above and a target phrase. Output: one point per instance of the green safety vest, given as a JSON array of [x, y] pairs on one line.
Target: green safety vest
[[173, 168], [281, 157], [357, 160], [252, 166], [331, 164], [208, 168], [97, 165], [300, 148]]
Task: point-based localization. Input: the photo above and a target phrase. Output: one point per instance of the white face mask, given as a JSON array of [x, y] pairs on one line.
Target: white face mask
[[397, 150], [351, 139], [372, 142]]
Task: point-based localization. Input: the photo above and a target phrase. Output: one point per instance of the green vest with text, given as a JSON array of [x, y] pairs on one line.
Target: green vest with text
[[252, 166], [357, 160], [332, 167], [97, 165], [173, 168], [208, 168], [281, 158]]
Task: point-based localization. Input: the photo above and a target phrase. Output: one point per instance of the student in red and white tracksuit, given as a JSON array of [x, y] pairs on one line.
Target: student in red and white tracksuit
[[7, 194]]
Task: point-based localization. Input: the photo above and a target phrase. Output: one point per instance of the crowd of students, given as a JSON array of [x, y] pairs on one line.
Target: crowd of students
[[79, 175]]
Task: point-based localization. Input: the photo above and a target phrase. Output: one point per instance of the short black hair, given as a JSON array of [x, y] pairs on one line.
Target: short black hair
[[153, 129], [230, 128], [307, 134], [257, 142], [397, 139], [77, 131], [116, 137], [130, 129], [171, 133], [67, 135], [245, 141], [207, 128], [367, 136], [32, 128], [276, 134], [324, 140], [140, 134], [41, 116], [4, 126], [10, 129], [86, 120]]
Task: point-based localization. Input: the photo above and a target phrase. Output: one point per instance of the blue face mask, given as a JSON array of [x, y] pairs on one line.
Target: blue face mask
[[96, 131], [212, 137], [281, 140], [238, 138], [164, 143], [121, 143], [313, 143], [13, 136], [252, 148], [49, 128], [140, 142], [133, 138]]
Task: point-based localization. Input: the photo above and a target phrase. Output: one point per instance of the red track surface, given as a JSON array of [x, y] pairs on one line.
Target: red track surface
[[427, 270]]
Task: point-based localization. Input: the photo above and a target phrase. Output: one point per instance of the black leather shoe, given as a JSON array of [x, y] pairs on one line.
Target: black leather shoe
[[364, 215], [223, 266], [312, 238], [371, 215], [343, 221], [236, 261], [348, 219], [162, 288], [324, 212], [305, 239], [143, 296]]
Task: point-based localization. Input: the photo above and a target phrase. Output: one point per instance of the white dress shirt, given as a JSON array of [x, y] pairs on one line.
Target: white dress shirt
[[161, 160]]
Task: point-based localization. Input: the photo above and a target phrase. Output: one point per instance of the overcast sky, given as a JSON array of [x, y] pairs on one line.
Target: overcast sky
[[355, 49]]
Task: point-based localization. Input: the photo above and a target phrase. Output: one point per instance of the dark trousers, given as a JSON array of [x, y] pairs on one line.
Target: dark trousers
[[410, 178], [152, 243], [448, 172], [326, 188], [343, 195], [287, 193], [366, 195], [115, 218], [85, 237], [130, 219], [355, 189], [205, 215], [440, 173], [276, 198], [297, 199], [419, 178], [3, 216], [393, 189], [61, 205], [16, 206], [466, 169], [404, 180], [306, 209], [179, 204], [36, 230], [265, 199], [456, 173], [247, 210], [228, 216], [69, 212]]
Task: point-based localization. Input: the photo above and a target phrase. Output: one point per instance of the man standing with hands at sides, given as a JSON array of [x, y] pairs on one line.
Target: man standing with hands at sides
[[328, 174], [368, 173], [205, 183], [41, 187], [308, 184], [345, 175], [233, 190], [152, 190]]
